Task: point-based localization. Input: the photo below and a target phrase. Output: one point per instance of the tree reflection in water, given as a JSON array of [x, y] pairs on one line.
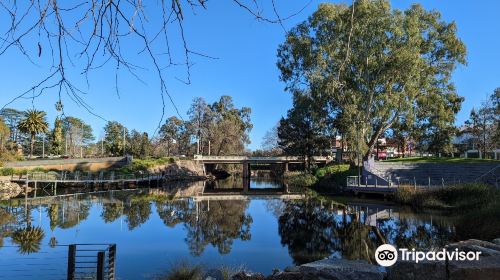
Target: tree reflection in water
[[217, 223], [313, 232], [136, 213], [310, 229]]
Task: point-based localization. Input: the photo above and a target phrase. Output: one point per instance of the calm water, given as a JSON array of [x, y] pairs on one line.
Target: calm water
[[260, 228]]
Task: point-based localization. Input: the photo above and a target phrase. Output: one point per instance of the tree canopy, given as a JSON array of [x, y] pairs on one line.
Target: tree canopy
[[370, 64]]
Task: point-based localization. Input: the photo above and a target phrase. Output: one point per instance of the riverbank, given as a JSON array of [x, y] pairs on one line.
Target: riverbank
[[486, 268]]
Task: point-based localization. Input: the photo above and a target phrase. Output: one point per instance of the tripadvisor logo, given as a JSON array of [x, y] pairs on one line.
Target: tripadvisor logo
[[387, 255]]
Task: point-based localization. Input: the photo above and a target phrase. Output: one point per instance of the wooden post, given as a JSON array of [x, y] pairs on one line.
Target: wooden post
[[71, 261], [414, 183], [429, 184], [100, 265]]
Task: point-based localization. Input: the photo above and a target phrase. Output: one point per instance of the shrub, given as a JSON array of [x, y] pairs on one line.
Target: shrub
[[6, 171], [300, 179], [184, 271], [334, 175]]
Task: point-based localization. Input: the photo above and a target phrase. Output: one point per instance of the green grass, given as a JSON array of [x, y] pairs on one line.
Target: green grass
[[441, 160]]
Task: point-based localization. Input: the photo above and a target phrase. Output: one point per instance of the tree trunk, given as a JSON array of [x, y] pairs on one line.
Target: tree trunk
[[372, 142], [32, 142]]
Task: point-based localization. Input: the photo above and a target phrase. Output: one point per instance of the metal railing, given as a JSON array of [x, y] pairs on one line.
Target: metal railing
[[84, 261], [91, 261], [84, 176]]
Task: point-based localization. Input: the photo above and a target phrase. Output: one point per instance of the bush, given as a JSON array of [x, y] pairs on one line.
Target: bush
[[300, 179], [334, 176], [6, 171]]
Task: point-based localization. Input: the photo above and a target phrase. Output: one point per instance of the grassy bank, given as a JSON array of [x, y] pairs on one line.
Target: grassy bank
[[9, 171], [459, 198]]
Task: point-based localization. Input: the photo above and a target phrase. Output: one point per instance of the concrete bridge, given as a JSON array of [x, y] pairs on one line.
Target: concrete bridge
[[246, 161]]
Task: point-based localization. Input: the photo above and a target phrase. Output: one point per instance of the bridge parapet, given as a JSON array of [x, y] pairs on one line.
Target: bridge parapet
[[256, 159]]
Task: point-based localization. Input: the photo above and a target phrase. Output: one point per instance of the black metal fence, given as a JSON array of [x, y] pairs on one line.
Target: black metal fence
[[71, 262]]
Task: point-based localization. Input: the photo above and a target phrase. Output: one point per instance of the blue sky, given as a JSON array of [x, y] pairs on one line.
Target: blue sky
[[245, 68]]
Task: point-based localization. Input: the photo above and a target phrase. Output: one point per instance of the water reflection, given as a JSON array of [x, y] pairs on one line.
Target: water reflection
[[214, 225]]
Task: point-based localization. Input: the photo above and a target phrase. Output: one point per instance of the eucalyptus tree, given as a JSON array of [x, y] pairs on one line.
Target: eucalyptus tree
[[373, 66], [33, 123], [229, 127], [170, 132], [77, 134]]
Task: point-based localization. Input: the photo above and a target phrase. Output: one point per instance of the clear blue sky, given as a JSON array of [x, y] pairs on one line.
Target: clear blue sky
[[245, 68]]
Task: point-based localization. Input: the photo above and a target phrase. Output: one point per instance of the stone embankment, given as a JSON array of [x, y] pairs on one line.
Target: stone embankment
[[9, 189], [181, 170], [487, 267]]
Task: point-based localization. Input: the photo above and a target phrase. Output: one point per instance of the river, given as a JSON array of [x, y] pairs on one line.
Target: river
[[217, 224]]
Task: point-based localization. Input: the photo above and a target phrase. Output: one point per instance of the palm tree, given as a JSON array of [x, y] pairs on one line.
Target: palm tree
[[33, 123]]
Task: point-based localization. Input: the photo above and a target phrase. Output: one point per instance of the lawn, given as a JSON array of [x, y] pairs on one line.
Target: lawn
[[442, 160]]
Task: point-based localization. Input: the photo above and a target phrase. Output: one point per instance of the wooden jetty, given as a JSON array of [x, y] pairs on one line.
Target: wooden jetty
[[51, 180]]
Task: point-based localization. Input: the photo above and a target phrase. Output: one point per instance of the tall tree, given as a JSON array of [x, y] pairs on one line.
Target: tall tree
[[33, 123], [304, 132], [57, 137], [4, 134], [170, 132], [77, 134], [115, 135], [198, 120], [270, 141], [373, 66], [483, 124], [228, 127], [220, 128], [139, 144], [12, 117]]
